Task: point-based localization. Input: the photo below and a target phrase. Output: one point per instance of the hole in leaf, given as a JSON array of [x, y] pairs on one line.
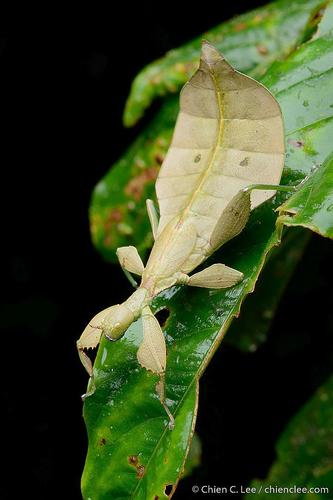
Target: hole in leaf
[[162, 315], [168, 489]]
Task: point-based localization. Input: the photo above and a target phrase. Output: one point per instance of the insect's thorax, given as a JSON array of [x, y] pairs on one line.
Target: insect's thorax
[[174, 247]]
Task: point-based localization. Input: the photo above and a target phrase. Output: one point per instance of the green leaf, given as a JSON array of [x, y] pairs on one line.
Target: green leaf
[[250, 330], [304, 450], [312, 206], [247, 41], [124, 410]]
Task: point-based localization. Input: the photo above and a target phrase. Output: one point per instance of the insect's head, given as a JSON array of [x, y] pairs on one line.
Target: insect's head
[[116, 322]]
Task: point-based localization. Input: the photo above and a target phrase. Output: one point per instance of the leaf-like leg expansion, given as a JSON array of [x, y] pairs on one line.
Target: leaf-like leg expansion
[[152, 354], [130, 260], [216, 276], [153, 217], [152, 351], [90, 338], [232, 221]]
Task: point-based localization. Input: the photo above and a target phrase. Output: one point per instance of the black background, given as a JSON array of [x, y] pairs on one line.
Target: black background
[[64, 80]]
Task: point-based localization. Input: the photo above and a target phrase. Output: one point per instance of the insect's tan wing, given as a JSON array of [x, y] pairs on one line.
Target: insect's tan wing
[[152, 351], [228, 135]]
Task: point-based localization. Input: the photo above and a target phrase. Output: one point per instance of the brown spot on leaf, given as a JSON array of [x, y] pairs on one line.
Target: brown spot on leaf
[[102, 442], [133, 460], [156, 497], [240, 26], [197, 158], [114, 215], [262, 50], [140, 471], [107, 241], [136, 186]]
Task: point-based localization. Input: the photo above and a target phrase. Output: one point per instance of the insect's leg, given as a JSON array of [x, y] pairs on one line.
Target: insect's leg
[[130, 262], [160, 389], [90, 338], [153, 217], [152, 354], [216, 276]]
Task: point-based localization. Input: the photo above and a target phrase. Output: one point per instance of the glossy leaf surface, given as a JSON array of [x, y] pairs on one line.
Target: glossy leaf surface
[[312, 206]]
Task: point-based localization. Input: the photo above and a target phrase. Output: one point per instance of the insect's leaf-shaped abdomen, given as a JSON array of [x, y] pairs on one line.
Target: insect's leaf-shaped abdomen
[[229, 134]]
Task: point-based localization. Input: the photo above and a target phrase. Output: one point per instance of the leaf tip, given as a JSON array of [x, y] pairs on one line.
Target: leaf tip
[[209, 53]]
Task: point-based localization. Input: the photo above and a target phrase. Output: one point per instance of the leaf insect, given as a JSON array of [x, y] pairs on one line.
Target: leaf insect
[[225, 159]]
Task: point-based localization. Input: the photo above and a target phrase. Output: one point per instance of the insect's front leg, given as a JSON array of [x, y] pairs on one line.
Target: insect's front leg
[[91, 337]]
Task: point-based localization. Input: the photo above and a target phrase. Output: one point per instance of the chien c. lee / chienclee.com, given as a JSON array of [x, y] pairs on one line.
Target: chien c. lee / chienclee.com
[[210, 489]]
